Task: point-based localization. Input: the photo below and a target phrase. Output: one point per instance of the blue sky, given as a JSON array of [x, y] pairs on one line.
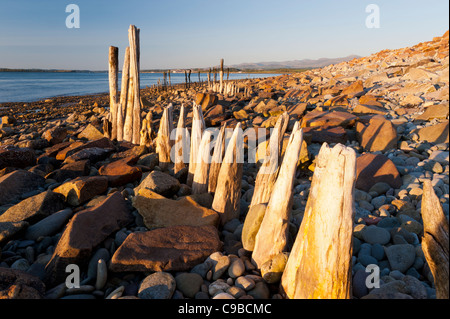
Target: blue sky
[[198, 33]]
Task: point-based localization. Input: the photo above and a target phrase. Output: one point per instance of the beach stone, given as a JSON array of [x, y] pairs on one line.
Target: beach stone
[[12, 156], [400, 257], [375, 168], [379, 201], [100, 253], [82, 189], [272, 270], [218, 286], [236, 292], [175, 248], [189, 283], [159, 285], [158, 211], [325, 118], [378, 135], [236, 268], [245, 283], [160, 183], [413, 227], [34, 208], [442, 157], [13, 185], [223, 295], [50, 225], [121, 172], [221, 267], [327, 134], [17, 284], [93, 154], [70, 171], [376, 235], [356, 89], [359, 287], [380, 188], [366, 260], [9, 229], [91, 133], [202, 268], [377, 251], [85, 231], [55, 135], [261, 291], [437, 133], [77, 146], [251, 226]]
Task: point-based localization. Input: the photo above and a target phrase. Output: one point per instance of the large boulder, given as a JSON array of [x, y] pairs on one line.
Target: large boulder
[[437, 133], [376, 168], [176, 248], [82, 189], [121, 172], [378, 135], [12, 156], [16, 284], [18, 182], [160, 183]]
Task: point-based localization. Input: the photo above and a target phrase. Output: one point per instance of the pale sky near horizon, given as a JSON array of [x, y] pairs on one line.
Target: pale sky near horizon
[[198, 33]]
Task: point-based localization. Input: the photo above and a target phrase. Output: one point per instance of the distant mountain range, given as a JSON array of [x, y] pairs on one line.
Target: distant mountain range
[[295, 64]]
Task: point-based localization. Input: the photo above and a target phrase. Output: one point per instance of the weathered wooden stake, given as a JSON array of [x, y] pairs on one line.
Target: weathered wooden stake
[[228, 190], [435, 241], [181, 148], [113, 85], [163, 142], [272, 236], [198, 125], [319, 264], [216, 160], [200, 182], [133, 37], [221, 77], [123, 95], [128, 126]]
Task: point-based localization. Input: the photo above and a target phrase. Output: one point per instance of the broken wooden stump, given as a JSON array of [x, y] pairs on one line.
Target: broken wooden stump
[[319, 264], [227, 197], [121, 110], [198, 125], [133, 37], [216, 160], [113, 84], [435, 242], [163, 142], [200, 182], [147, 131], [181, 146], [272, 236]]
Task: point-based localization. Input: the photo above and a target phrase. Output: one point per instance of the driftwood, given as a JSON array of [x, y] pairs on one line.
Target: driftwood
[[268, 171], [226, 200], [133, 37], [198, 125], [272, 236], [163, 142], [121, 110], [112, 76], [216, 160], [181, 148], [147, 130], [128, 124], [435, 240], [319, 264], [200, 183]]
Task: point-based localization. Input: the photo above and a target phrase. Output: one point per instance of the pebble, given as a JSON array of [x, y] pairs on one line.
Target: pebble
[[377, 251], [261, 291], [189, 284], [376, 235], [245, 283], [159, 285], [223, 295], [221, 267], [217, 286], [236, 268], [400, 257], [102, 274]]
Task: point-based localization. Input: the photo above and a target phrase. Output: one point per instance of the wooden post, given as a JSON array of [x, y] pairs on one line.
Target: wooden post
[[128, 126], [181, 148], [221, 77], [121, 112], [185, 79], [319, 264], [113, 84], [267, 174], [170, 82], [435, 241], [133, 37], [163, 142], [147, 130], [198, 125], [216, 160], [228, 191], [209, 79], [189, 77], [272, 236], [200, 182]]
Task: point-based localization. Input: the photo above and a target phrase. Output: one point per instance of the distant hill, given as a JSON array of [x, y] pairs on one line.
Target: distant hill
[[295, 64]]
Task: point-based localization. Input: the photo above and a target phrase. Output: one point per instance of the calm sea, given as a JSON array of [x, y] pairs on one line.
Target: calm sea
[[35, 86]]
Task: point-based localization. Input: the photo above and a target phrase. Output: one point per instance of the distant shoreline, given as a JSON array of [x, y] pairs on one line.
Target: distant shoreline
[[173, 71]]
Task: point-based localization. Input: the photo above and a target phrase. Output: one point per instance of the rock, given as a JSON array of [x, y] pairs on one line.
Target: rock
[[236, 268], [70, 171], [217, 287], [223, 295], [439, 111], [176, 248], [411, 101], [34, 208], [375, 168], [400, 257], [380, 188], [160, 183], [12, 156], [359, 286], [252, 223], [82, 189], [9, 229], [328, 134], [378, 135], [245, 283], [355, 89], [91, 133], [221, 267], [16, 284], [160, 285], [377, 251], [261, 291], [159, 211], [55, 135], [437, 133], [318, 118], [7, 120], [189, 283], [369, 109], [272, 270], [49, 225], [85, 231], [442, 157], [121, 172], [93, 154]]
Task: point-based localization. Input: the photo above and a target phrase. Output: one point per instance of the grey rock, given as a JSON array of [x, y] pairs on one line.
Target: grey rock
[[189, 284], [261, 291], [202, 269], [388, 223], [236, 268], [378, 251], [245, 283], [359, 287], [373, 234], [49, 225], [400, 257], [159, 285], [221, 267], [366, 260], [379, 201], [380, 188]]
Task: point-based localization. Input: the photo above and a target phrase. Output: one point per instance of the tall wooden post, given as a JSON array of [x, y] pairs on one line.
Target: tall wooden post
[[198, 125], [181, 148], [121, 112], [133, 37], [113, 85], [216, 160], [163, 142], [221, 77], [200, 182], [319, 264], [435, 241], [272, 236]]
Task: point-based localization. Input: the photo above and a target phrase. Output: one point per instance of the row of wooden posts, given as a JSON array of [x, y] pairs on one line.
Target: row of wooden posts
[[319, 262]]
